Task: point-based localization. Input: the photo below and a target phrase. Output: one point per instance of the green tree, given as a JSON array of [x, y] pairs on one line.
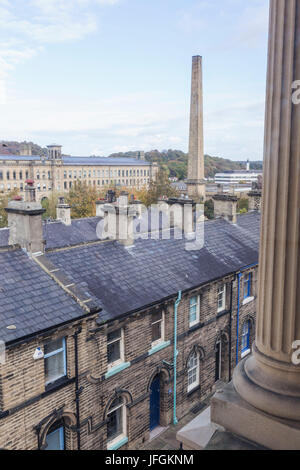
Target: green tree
[[243, 205], [82, 199], [50, 205], [209, 209], [159, 188], [4, 200]]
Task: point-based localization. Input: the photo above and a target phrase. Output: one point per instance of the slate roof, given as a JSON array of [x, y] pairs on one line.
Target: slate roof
[[94, 161], [58, 235], [126, 280], [30, 299]]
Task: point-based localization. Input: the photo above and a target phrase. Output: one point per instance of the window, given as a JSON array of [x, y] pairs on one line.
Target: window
[[116, 421], [246, 338], [157, 328], [115, 348], [247, 286], [194, 310], [55, 439], [55, 360], [193, 372], [222, 298]]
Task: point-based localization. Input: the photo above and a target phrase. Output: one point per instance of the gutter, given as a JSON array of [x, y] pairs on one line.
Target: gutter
[[78, 390], [230, 330], [175, 420], [238, 320]]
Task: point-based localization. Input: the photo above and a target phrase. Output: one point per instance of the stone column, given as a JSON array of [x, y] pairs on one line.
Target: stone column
[[269, 380], [196, 182]]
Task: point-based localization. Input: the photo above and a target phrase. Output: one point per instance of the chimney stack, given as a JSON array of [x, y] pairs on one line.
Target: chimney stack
[[225, 207], [25, 222], [196, 177], [118, 218], [255, 200], [63, 212]]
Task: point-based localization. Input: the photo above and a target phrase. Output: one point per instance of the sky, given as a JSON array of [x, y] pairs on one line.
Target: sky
[[104, 76]]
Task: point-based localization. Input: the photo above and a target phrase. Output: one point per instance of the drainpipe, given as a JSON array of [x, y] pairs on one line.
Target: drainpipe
[[78, 390], [230, 331], [238, 319], [175, 420]]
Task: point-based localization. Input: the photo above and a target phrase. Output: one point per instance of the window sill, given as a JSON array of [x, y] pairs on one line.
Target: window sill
[[193, 390], [248, 300], [245, 353], [117, 444], [159, 347], [56, 383], [115, 370]]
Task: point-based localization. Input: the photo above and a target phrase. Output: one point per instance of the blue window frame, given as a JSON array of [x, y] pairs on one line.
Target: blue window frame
[[247, 286], [55, 360], [246, 336], [55, 440]]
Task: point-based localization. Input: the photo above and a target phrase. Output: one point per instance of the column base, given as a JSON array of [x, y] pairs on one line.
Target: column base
[[271, 386], [237, 416]]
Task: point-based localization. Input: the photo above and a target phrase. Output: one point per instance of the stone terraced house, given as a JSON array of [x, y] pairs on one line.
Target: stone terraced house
[[91, 327]]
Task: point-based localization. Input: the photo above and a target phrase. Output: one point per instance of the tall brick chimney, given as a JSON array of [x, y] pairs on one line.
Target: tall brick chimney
[[225, 207], [63, 212], [25, 222]]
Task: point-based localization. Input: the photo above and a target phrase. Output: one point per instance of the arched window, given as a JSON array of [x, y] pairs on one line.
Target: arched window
[[193, 371], [116, 421], [246, 338], [55, 439]]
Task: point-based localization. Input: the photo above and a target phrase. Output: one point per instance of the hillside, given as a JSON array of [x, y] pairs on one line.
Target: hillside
[[13, 148], [176, 162]]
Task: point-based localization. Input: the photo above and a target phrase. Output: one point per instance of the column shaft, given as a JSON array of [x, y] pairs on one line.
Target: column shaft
[[268, 380]]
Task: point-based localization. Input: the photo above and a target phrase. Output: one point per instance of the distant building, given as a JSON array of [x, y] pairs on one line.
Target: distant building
[[236, 177], [60, 173]]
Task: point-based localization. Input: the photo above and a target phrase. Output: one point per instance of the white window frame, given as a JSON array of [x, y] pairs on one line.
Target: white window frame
[[123, 435], [198, 304], [122, 351], [195, 384], [162, 338], [63, 350], [222, 290]]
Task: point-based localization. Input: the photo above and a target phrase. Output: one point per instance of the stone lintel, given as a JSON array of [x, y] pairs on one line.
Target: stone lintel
[[229, 410]]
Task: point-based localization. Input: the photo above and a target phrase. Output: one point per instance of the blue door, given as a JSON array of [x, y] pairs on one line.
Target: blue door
[[155, 403]]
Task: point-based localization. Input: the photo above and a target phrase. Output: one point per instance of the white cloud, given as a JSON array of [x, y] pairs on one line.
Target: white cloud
[[32, 24]]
